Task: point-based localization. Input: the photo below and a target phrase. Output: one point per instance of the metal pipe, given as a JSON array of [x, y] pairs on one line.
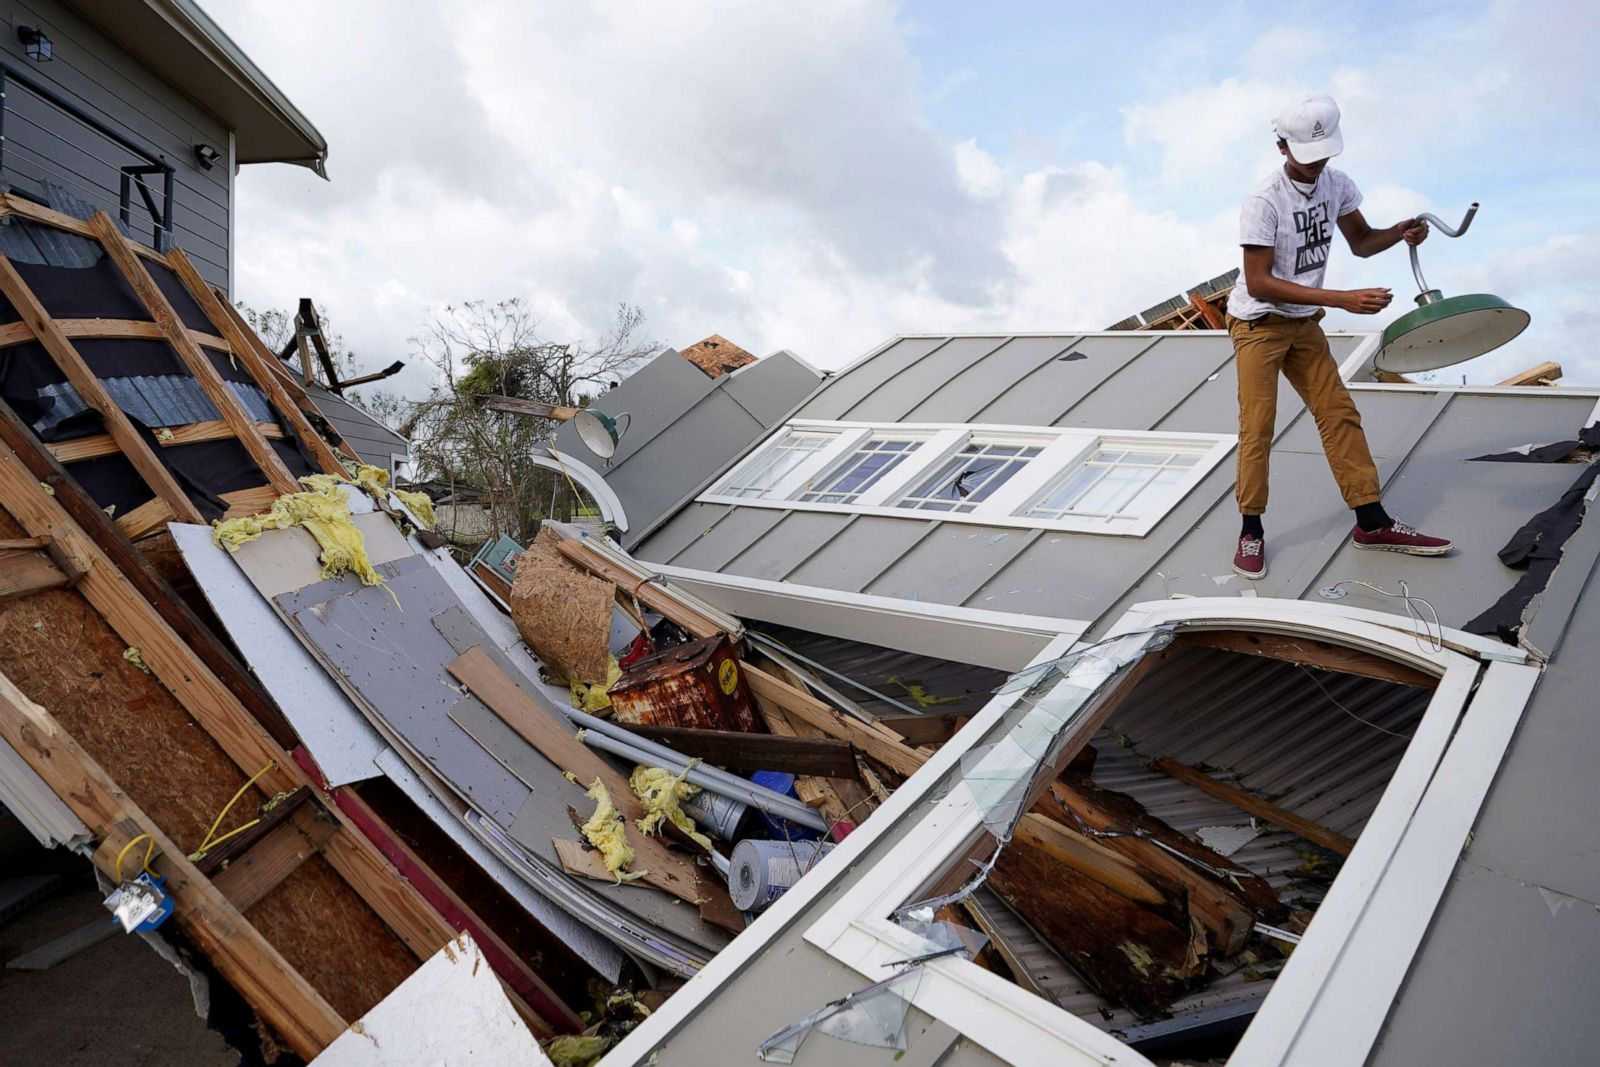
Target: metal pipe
[[1444, 228], [620, 741]]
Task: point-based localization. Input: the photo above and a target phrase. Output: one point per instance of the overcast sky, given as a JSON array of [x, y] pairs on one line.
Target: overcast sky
[[819, 176]]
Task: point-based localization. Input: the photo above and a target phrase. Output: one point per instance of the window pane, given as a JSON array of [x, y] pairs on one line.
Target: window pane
[[968, 478], [863, 469], [780, 460], [1117, 483]]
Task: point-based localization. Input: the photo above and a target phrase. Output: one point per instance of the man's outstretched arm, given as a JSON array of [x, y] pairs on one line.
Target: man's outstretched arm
[[1264, 285], [1365, 241]]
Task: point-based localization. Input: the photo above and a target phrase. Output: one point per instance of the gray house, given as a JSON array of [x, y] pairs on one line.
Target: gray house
[[971, 507], [144, 109]]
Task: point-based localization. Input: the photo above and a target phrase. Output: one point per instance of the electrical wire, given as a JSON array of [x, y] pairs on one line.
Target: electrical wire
[[1434, 634], [1347, 711], [211, 842], [149, 850]]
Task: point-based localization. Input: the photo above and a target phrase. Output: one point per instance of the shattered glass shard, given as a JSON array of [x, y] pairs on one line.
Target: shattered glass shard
[[874, 1016]]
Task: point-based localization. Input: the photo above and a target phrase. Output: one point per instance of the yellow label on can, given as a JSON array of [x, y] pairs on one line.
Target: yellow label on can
[[728, 676]]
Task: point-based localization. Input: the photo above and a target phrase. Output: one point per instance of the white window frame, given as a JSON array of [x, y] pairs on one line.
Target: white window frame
[[783, 487], [1061, 449], [1370, 924]]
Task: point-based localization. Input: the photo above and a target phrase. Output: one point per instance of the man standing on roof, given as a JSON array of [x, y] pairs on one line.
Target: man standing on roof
[[1286, 229]]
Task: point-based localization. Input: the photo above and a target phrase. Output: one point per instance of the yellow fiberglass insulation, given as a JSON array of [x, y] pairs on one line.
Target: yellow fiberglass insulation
[[324, 513], [596, 698], [374, 481], [576, 1050], [661, 792], [419, 504], [608, 833]]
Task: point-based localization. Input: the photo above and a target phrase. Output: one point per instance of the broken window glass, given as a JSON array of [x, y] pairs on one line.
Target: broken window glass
[[874, 1016]]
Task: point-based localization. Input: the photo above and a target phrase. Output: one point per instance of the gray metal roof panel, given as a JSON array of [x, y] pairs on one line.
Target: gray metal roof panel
[[1147, 388], [893, 400], [1047, 392], [967, 393], [788, 544], [744, 528], [851, 563], [855, 384], [951, 562]]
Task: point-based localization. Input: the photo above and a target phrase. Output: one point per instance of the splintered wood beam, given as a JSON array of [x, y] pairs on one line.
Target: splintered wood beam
[[307, 315], [1545, 373], [1213, 318], [1254, 805], [260, 869], [1311, 653], [35, 466], [1088, 857], [241, 340], [515, 405], [930, 729], [146, 519], [82, 448], [745, 752], [290, 396], [198, 363], [834, 800], [273, 988], [18, 333], [249, 501], [93, 393], [881, 744]]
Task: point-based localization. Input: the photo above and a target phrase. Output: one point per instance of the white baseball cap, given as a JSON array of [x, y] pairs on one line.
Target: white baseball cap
[[1311, 126]]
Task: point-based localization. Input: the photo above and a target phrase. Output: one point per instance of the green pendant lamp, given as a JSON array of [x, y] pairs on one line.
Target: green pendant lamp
[[1445, 330]]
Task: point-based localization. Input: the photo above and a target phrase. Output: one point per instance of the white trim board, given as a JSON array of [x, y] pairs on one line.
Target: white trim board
[[1019, 1026], [998, 639]]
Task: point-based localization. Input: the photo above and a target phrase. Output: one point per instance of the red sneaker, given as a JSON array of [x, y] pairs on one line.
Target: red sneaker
[[1398, 537], [1250, 561]]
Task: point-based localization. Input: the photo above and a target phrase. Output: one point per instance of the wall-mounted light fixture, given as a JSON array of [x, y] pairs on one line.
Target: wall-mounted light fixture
[[206, 155], [35, 43]]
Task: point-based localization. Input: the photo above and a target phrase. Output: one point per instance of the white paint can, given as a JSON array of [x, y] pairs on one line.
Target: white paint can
[[760, 872]]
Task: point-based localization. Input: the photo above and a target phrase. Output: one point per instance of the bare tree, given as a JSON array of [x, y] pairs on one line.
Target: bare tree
[[482, 348]]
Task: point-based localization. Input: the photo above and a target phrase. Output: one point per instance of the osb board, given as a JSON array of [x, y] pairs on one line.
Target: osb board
[[64, 656], [332, 938], [566, 619]]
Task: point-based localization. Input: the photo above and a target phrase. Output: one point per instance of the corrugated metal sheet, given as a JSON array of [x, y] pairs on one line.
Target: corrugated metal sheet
[[1270, 727], [157, 400]]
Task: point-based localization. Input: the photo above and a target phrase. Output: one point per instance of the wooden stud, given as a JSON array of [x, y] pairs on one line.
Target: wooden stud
[[199, 364], [881, 745], [18, 333], [12, 204], [1312, 653], [280, 994], [835, 801], [1254, 805], [93, 393], [28, 566], [260, 869], [241, 341], [150, 517], [1545, 373], [81, 448], [307, 316], [1213, 318], [651, 594], [213, 705], [1087, 856], [249, 501], [75, 509]]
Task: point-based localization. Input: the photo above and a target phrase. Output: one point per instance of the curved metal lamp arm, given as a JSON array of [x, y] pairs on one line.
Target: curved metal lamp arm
[[1444, 228]]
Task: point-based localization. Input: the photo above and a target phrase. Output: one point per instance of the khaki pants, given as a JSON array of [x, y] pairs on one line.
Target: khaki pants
[[1297, 347]]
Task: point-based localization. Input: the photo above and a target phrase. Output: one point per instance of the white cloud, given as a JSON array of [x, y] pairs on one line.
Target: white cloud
[[767, 172]]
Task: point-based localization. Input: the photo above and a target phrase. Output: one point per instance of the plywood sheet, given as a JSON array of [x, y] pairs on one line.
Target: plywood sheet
[[333, 729]]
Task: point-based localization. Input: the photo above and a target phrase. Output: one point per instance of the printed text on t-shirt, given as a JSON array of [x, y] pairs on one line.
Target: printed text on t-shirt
[[1316, 234]]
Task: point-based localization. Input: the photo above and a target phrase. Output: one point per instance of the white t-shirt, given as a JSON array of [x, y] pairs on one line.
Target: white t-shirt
[[1299, 228]]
